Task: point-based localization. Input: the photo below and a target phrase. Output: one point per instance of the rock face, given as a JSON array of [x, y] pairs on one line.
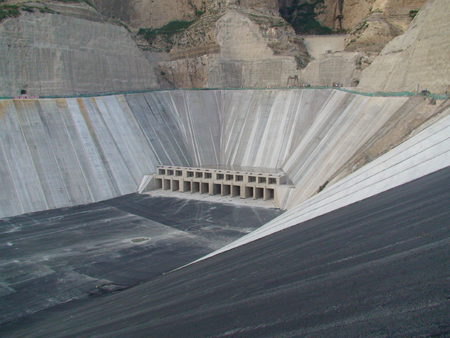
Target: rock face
[[157, 13], [50, 54], [333, 68], [371, 23], [396, 12], [243, 57], [221, 43], [418, 58], [372, 34], [149, 13]]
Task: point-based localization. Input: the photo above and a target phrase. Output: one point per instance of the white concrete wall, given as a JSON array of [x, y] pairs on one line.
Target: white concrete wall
[[309, 134], [62, 152]]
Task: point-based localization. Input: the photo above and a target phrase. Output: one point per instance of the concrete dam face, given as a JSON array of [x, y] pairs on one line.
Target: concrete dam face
[[71, 151]]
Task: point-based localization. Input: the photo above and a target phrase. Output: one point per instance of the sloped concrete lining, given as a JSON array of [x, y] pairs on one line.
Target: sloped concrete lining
[[64, 152], [421, 155], [307, 133]]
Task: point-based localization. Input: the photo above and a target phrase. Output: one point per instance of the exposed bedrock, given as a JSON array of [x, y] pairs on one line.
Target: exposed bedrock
[[416, 59], [346, 14], [157, 13], [331, 13], [236, 50], [50, 54], [226, 44], [64, 152]]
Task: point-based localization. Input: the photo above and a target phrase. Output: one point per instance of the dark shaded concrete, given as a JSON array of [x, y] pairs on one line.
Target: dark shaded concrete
[[377, 268], [51, 257]]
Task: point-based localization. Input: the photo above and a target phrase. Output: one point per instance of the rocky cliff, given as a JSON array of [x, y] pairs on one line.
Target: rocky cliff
[[347, 14], [64, 48], [200, 60], [157, 13], [418, 59], [238, 53], [150, 13], [58, 54]]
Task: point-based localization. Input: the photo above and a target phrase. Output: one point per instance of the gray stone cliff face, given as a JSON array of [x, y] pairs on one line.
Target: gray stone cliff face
[[231, 44], [157, 13], [244, 56], [50, 54], [418, 58]]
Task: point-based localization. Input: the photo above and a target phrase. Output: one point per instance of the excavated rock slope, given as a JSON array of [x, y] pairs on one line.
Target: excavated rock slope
[[417, 59], [157, 13], [51, 54], [242, 58]]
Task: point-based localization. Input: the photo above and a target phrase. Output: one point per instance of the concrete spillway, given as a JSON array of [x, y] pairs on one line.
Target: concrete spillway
[[63, 152]]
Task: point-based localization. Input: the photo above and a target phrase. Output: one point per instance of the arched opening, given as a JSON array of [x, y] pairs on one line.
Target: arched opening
[[354, 83]]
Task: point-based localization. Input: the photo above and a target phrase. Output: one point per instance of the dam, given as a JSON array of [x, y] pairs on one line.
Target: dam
[[73, 222]]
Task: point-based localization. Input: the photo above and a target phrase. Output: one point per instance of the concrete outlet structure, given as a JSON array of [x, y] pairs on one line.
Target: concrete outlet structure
[[242, 184]]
